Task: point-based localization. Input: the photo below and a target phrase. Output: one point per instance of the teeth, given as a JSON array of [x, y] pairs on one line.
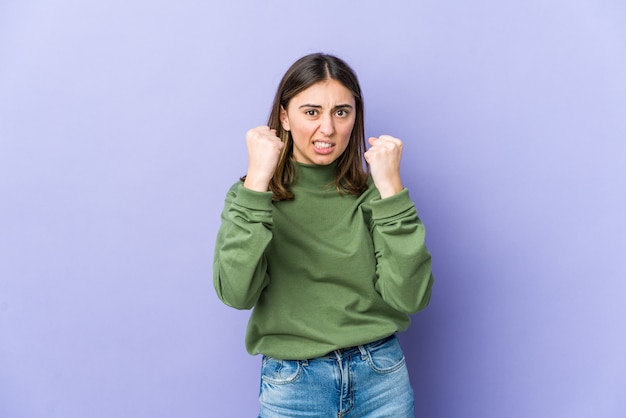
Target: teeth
[[323, 145]]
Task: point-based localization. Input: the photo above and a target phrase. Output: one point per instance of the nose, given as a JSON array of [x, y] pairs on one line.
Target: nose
[[327, 126]]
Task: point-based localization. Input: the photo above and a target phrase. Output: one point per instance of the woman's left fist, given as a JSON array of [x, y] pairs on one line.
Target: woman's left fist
[[384, 159]]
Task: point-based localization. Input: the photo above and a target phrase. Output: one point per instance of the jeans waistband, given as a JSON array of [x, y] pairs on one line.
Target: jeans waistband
[[357, 349]]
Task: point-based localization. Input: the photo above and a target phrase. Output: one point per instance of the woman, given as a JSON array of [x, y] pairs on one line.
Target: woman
[[332, 258]]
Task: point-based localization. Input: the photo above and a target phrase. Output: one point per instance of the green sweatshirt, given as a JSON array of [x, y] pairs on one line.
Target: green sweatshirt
[[323, 271]]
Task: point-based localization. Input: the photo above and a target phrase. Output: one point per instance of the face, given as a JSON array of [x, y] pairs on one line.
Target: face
[[320, 119]]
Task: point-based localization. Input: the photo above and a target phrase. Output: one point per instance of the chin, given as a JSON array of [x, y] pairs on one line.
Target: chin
[[326, 160]]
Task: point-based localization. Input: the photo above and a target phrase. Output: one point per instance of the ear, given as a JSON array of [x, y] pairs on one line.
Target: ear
[[284, 119]]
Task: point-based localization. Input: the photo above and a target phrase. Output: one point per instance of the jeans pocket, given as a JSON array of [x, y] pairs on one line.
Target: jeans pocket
[[280, 372], [387, 357]]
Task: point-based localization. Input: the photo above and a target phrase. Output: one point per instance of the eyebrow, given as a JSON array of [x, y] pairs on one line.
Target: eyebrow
[[319, 106]]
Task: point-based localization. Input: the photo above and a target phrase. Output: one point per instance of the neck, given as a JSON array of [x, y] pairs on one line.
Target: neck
[[315, 176]]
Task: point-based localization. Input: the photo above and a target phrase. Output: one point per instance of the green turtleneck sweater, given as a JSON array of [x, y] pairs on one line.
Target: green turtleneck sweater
[[323, 271]]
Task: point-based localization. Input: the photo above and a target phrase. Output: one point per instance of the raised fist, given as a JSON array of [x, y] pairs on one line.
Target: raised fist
[[264, 149], [384, 159]]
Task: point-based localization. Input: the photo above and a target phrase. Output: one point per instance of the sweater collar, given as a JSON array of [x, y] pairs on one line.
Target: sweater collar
[[315, 176]]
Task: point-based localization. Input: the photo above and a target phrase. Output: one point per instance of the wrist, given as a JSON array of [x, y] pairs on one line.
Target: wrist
[[256, 184], [389, 189]]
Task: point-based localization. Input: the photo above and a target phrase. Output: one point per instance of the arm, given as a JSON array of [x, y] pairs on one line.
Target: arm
[[239, 264], [403, 264]]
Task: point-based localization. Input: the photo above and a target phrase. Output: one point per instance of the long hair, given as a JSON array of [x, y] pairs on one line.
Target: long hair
[[352, 173]]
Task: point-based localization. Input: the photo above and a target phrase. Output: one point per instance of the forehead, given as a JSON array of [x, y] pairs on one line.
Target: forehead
[[325, 93]]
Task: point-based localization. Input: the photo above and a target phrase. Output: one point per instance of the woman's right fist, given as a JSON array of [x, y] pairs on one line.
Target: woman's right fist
[[264, 149]]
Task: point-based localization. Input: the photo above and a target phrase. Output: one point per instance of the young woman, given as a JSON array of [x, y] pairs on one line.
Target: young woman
[[331, 257]]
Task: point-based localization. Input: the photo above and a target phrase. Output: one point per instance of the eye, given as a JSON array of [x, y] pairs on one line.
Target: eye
[[342, 113], [311, 112]]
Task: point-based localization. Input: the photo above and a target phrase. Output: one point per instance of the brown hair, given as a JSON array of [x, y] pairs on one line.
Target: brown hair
[[352, 174]]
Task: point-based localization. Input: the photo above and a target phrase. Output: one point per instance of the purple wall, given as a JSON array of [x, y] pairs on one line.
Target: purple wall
[[122, 125]]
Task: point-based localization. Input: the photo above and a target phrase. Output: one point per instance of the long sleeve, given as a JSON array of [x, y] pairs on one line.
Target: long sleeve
[[403, 264], [323, 271], [239, 264]]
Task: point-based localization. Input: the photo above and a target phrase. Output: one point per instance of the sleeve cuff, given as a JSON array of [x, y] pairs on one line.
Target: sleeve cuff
[[253, 200], [392, 205]]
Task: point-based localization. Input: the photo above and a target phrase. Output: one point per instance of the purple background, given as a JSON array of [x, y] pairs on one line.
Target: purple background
[[122, 125]]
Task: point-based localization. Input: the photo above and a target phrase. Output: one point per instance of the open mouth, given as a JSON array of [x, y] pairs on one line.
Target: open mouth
[[323, 146]]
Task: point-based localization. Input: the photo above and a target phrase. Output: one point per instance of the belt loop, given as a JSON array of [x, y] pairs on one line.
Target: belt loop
[[364, 352]]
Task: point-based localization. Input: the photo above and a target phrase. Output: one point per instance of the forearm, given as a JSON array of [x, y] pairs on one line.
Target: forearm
[[403, 262], [239, 266]]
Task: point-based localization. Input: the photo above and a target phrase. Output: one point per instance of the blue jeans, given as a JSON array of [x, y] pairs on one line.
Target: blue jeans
[[367, 381]]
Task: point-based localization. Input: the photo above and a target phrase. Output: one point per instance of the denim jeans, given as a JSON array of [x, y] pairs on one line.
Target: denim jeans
[[361, 382]]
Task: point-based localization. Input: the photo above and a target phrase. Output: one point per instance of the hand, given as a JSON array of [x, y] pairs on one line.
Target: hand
[[384, 159], [264, 149]]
